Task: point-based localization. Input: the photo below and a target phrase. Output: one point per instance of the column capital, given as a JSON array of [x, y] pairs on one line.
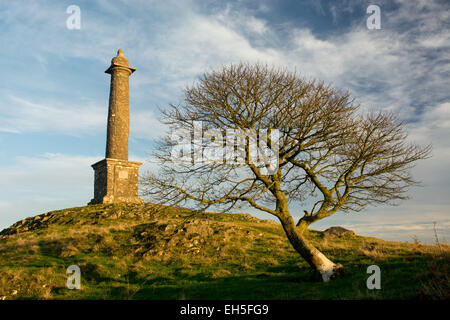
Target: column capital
[[120, 62]]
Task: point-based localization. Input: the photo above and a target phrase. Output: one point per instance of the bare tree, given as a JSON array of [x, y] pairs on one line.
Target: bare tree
[[329, 156]]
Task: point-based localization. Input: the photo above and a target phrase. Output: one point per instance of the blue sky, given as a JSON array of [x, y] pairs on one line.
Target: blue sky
[[54, 92]]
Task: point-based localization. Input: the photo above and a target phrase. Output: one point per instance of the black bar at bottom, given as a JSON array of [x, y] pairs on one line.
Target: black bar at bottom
[[213, 309]]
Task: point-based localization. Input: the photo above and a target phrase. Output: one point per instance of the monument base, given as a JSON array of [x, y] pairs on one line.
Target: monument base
[[116, 181]]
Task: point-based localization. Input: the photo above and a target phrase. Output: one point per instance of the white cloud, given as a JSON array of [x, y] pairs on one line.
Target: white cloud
[[203, 42], [4, 205], [45, 174], [33, 185], [438, 116], [146, 125], [20, 115]]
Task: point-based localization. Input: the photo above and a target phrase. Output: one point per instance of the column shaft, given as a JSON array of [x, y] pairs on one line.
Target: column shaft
[[118, 114]]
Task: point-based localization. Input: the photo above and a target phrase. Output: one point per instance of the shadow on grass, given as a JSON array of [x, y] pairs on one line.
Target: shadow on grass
[[274, 284]]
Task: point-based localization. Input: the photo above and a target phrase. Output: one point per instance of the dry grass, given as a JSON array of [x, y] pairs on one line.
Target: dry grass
[[268, 261], [324, 245], [22, 282], [436, 281], [69, 251], [372, 250], [221, 273]]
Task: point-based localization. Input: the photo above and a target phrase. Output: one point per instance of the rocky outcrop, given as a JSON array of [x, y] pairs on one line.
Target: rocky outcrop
[[337, 232]]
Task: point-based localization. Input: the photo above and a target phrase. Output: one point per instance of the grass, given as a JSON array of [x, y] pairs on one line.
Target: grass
[[153, 252]]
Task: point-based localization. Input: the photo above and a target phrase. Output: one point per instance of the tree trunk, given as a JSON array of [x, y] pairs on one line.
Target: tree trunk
[[316, 259]]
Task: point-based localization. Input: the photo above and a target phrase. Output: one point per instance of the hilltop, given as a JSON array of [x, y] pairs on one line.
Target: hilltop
[[145, 251]]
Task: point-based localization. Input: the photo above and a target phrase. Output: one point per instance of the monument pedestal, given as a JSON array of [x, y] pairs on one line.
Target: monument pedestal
[[116, 181]]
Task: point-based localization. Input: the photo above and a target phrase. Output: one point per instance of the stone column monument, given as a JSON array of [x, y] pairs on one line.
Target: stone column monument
[[116, 178]]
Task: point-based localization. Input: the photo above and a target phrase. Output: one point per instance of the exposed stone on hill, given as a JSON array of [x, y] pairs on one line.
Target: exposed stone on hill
[[337, 232], [194, 222], [189, 236]]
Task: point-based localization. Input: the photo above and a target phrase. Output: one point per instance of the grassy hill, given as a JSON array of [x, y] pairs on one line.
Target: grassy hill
[[153, 252]]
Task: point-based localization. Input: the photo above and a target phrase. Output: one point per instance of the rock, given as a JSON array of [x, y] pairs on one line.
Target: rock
[[249, 217], [197, 228], [337, 232]]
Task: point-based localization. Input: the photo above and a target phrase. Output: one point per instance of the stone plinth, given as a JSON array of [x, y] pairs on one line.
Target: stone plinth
[[116, 181]]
